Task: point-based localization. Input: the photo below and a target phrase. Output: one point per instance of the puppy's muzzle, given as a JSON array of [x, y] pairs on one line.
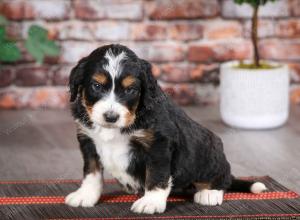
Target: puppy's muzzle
[[111, 117]]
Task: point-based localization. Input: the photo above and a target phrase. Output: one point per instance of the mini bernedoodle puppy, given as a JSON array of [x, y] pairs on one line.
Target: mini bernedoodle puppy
[[130, 128]]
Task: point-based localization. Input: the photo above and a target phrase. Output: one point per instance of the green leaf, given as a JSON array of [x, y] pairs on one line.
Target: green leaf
[[38, 44], [3, 21], [2, 33], [37, 32], [9, 52], [34, 50], [50, 48]]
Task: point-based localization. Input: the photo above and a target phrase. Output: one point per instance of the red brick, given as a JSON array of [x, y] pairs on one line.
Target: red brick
[[86, 10], [183, 93], [25, 56], [178, 9], [295, 72], [14, 30], [180, 73], [295, 7], [219, 51], [8, 100], [156, 71], [203, 53], [52, 32], [46, 9], [86, 30], [39, 97], [266, 28], [280, 49], [295, 95], [205, 73], [70, 30], [222, 29], [51, 60], [97, 9], [16, 9], [32, 76], [6, 75], [185, 31], [288, 28], [160, 52], [146, 31], [61, 75], [177, 73]]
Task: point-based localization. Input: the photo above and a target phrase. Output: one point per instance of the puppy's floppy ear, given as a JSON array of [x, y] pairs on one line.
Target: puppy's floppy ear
[[150, 88], [76, 79]]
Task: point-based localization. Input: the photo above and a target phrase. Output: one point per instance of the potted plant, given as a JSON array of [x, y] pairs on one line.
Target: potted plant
[[254, 94]]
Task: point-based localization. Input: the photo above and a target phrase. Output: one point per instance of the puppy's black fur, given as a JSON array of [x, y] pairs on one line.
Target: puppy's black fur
[[175, 145]]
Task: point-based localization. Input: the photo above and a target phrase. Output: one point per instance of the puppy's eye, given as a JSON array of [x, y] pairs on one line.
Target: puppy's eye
[[131, 91], [96, 87]]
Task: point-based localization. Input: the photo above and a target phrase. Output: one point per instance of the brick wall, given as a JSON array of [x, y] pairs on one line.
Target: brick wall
[[186, 40]]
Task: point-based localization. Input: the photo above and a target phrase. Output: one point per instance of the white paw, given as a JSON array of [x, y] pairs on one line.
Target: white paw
[[148, 205], [258, 187], [89, 192], [82, 198], [209, 197]]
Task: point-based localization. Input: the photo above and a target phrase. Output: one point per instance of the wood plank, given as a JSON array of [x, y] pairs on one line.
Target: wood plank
[[41, 144]]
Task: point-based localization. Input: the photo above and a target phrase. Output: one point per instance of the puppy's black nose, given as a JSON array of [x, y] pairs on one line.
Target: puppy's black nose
[[111, 116]]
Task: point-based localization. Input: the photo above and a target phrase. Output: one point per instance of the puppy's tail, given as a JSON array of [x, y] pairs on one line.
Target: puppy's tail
[[239, 185]]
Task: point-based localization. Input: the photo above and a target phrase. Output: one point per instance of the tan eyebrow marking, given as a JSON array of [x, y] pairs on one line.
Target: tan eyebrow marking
[[100, 78], [128, 81]]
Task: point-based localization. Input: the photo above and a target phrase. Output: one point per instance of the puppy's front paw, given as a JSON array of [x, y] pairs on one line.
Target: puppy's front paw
[[149, 205], [209, 197], [82, 198], [89, 192]]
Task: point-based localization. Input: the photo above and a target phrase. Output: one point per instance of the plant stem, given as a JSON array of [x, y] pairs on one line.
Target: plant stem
[[254, 35]]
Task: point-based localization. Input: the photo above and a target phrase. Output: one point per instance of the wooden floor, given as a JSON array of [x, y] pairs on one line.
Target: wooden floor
[[41, 144]]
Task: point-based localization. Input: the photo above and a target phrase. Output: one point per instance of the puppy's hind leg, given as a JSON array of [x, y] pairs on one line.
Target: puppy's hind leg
[[207, 196]]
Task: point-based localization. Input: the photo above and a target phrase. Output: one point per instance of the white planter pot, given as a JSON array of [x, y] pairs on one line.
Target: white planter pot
[[254, 99]]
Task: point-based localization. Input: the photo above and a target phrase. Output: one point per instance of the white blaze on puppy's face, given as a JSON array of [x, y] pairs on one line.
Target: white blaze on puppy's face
[[110, 103], [114, 66]]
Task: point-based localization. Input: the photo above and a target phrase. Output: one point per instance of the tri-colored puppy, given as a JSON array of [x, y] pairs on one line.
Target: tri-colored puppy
[[130, 128]]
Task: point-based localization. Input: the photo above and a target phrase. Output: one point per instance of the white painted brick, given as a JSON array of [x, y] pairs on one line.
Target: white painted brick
[[51, 9], [271, 9], [113, 31], [73, 51]]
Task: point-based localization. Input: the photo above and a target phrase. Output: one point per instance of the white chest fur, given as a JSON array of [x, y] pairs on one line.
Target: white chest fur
[[114, 151]]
